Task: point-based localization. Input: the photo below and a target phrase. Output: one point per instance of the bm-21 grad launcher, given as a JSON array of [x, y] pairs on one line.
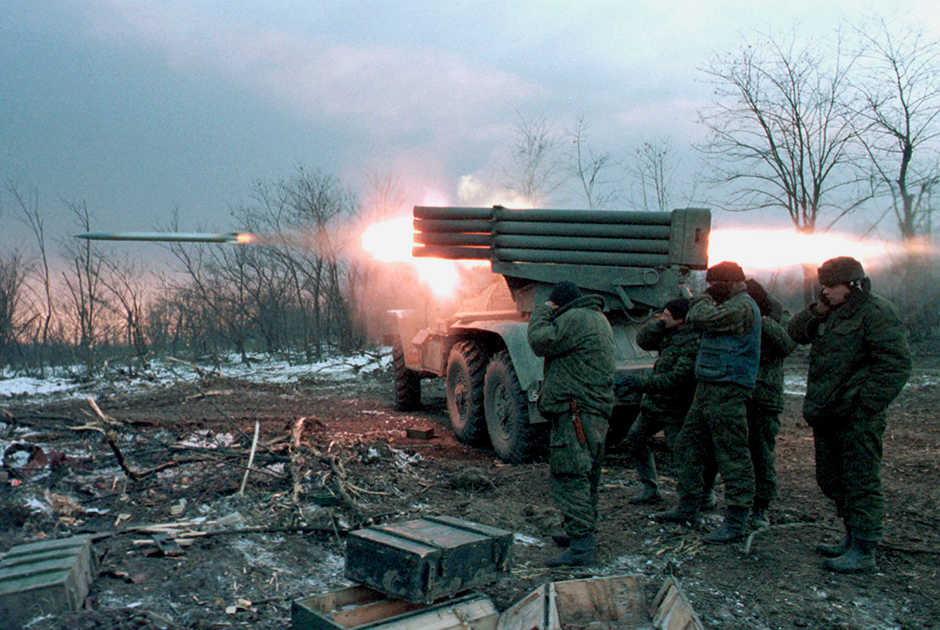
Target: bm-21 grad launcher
[[637, 261]]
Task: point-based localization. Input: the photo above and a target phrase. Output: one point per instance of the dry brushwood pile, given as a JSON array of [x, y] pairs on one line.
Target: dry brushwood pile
[[215, 503]]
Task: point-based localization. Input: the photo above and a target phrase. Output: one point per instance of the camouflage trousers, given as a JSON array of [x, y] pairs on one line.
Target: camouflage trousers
[[716, 426], [648, 424], [576, 471], [848, 471], [763, 426]]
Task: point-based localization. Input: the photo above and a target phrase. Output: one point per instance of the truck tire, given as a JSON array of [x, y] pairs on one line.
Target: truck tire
[[466, 371], [513, 437], [407, 382]]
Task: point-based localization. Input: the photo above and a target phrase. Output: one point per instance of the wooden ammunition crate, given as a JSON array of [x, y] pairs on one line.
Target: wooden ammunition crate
[[612, 603], [45, 577], [427, 559], [361, 608]]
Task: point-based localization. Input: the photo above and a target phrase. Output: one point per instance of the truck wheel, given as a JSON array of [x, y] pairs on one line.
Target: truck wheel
[[514, 438], [466, 370], [407, 382]]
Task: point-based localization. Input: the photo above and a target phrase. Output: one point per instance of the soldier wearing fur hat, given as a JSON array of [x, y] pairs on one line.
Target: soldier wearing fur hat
[[859, 361], [716, 425], [573, 335]]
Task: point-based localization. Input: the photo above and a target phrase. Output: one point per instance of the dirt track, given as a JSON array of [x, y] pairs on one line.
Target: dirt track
[[266, 549]]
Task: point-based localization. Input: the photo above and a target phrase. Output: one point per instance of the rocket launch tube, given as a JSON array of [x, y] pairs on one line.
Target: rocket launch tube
[[437, 225], [612, 259], [625, 246], [453, 238], [565, 216], [435, 212], [598, 230], [618, 217], [544, 242], [448, 252], [543, 228]]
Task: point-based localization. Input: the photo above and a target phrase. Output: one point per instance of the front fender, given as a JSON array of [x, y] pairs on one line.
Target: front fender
[[515, 336]]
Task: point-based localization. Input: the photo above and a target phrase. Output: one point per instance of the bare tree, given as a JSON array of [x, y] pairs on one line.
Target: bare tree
[[384, 196], [86, 292], [27, 211], [13, 271], [590, 168], [126, 282], [321, 211], [214, 301], [899, 119], [538, 170], [899, 127], [780, 130], [653, 173]]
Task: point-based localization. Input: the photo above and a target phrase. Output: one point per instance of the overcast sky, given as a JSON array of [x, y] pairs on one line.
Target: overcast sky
[[139, 107]]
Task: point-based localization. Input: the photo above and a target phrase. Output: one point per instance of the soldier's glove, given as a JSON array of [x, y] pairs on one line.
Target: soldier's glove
[[626, 385]]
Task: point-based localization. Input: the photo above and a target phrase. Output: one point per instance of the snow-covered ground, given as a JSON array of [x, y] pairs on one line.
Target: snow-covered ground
[[60, 385]]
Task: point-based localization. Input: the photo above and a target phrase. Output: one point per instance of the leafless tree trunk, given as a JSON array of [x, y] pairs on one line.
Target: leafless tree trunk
[[28, 212], [320, 210], [781, 129], [591, 169], [538, 169], [13, 272], [83, 281], [127, 284], [653, 170]]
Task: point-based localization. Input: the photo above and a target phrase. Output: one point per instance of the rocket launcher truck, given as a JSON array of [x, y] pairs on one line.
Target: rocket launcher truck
[[637, 261]]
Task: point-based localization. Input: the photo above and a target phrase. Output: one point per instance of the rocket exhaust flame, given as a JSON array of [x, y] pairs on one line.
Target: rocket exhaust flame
[[769, 249], [393, 240]]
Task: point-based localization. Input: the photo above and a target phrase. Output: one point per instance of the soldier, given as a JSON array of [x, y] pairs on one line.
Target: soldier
[[858, 363], [726, 369], [766, 404], [667, 392], [574, 336]]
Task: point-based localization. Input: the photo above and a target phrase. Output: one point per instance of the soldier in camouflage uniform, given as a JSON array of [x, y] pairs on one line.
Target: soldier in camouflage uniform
[[858, 363], [766, 404], [726, 369], [573, 335], [667, 392]]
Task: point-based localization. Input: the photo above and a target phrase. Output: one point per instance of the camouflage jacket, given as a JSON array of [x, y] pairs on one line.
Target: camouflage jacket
[[578, 346], [859, 361], [671, 386], [775, 346]]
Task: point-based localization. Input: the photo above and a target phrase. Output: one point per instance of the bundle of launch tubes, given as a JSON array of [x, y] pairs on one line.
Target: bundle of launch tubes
[[579, 237]]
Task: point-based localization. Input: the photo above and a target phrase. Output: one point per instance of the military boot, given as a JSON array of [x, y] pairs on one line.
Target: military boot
[[646, 471], [834, 551], [561, 540], [860, 558], [580, 553], [759, 519], [731, 529], [709, 501], [685, 513]]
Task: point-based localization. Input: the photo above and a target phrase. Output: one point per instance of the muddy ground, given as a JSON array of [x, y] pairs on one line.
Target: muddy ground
[[246, 556]]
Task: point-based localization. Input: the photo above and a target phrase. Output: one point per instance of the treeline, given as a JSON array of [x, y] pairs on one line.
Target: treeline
[[297, 292]]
